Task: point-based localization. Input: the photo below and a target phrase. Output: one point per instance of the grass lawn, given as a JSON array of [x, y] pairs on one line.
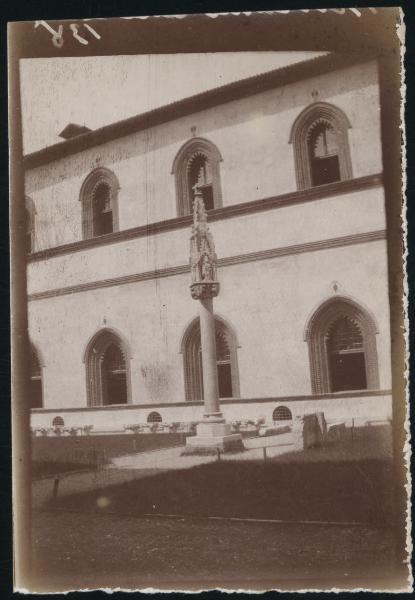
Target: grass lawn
[[54, 455], [92, 449], [49, 468], [359, 491]]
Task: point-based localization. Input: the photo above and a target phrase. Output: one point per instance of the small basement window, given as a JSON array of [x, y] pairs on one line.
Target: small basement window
[[154, 417], [282, 413]]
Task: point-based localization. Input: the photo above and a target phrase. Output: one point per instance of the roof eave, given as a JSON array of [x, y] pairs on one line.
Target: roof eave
[[193, 104]]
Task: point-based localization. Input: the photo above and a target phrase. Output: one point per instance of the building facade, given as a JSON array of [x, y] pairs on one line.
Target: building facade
[[290, 168]]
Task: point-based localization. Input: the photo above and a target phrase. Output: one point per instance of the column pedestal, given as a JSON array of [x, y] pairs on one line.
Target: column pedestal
[[213, 436]]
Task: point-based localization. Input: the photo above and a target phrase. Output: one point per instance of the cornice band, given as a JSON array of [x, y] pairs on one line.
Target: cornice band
[[347, 240]]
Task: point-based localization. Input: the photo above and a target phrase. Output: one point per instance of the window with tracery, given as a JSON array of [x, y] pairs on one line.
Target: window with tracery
[[341, 338], [197, 163], [107, 370], [321, 146], [99, 197]]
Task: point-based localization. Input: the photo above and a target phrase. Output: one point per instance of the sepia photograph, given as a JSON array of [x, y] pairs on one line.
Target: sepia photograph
[[207, 303]]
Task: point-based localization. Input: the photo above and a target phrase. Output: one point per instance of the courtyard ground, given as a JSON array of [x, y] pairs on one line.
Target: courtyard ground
[[106, 527], [80, 551]]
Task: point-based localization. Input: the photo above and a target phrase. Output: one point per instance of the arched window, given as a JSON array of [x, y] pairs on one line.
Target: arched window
[[36, 394], [154, 417], [58, 422], [99, 197], [341, 338], [321, 146], [197, 162], [226, 360], [107, 370], [30, 213], [282, 413]]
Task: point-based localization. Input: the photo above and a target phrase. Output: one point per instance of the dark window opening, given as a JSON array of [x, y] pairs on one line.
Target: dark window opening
[[282, 413], [58, 422], [103, 221], [154, 417], [200, 173], [324, 155], [225, 380], [347, 364], [36, 400], [207, 194], [224, 368], [114, 376]]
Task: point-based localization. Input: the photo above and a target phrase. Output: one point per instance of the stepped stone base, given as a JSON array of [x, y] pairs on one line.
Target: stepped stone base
[[211, 437]]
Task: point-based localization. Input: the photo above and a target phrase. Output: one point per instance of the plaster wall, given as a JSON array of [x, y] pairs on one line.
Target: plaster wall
[[251, 133], [358, 409], [267, 303], [326, 218]]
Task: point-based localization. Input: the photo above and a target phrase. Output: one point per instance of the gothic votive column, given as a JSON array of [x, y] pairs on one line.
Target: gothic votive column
[[213, 432]]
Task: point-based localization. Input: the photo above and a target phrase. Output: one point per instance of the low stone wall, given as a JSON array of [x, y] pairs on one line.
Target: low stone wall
[[362, 408]]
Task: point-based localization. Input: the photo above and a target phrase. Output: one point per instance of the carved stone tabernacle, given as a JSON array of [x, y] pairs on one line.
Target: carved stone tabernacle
[[203, 257]]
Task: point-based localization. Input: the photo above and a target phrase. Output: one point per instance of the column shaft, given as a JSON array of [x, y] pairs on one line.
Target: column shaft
[[210, 372]]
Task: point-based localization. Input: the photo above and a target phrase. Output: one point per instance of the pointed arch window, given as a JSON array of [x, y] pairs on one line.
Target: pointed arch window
[[226, 360], [321, 146], [341, 338], [99, 197], [36, 392], [107, 370], [197, 162]]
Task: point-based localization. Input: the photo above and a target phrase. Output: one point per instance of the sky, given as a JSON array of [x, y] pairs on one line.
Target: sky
[[99, 90]]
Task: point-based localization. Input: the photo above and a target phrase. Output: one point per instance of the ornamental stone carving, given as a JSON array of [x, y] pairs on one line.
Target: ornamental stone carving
[[203, 257]]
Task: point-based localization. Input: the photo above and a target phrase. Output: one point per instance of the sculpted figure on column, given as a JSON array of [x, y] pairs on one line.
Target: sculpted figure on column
[[202, 253]]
